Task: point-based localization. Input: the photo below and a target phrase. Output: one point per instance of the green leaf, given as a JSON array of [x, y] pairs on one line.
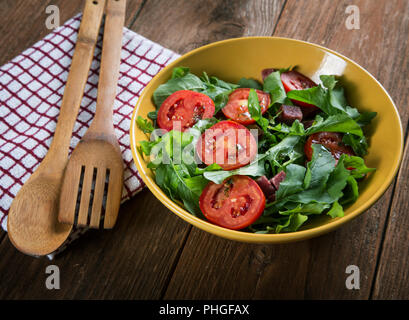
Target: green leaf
[[293, 223], [328, 81], [254, 169], [146, 146], [357, 163], [337, 179], [307, 209], [293, 181], [296, 129], [316, 96], [153, 115], [319, 168], [336, 210], [204, 124], [336, 123], [351, 193], [365, 118], [186, 82], [273, 84], [357, 143], [196, 184], [145, 125], [250, 83], [255, 110], [180, 72], [221, 100], [285, 152], [212, 167]]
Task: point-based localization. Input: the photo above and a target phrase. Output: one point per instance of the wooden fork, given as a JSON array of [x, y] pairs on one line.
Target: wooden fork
[[92, 185]]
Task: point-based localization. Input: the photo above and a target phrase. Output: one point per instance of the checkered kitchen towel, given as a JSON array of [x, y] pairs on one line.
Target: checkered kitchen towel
[[31, 90]]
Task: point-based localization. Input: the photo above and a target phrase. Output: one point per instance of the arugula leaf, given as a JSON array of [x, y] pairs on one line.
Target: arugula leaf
[[255, 110], [212, 167], [351, 192], [316, 96], [146, 146], [204, 124], [365, 118], [273, 84], [338, 179], [254, 169], [289, 149], [336, 123], [293, 223], [221, 100], [179, 72], [307, 209], [319, 168], [250, 83], [328, 81], [358, 144], [293, 181], [296, 129], [216, 87], [336, 210], [145, 125], [357, 163], [153, 115], [187, 81], [196, 184], [172, 179]]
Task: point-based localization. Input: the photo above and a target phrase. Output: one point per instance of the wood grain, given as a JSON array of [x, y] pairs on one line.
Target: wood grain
[[183, 25], [316, 268], [21, 30], [392, 279], [131, 261]]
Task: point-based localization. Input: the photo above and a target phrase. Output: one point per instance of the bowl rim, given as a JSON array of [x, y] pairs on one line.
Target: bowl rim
[[247, 236]]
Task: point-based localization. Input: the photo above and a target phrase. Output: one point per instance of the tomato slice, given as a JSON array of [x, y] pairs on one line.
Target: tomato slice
[[185, 106], [236, 108], [331, 141], [234, 204], [293, 80], [227, 143]]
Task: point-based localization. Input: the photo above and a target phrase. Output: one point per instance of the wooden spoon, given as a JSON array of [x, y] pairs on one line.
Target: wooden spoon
[[32, 222], [94, 173]]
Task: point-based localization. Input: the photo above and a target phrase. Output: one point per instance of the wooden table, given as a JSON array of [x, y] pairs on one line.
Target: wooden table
[[151, 253]]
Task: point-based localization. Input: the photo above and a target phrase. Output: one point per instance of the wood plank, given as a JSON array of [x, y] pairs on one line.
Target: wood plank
[[21, 30], [132, 260], [182, 25], [392, 279], [215, 268]]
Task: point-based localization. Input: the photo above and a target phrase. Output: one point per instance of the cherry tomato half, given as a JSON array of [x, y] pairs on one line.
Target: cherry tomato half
[[234, 204], [293, 80], [236, 108], [227, 143], [185, 106], [331, 141]]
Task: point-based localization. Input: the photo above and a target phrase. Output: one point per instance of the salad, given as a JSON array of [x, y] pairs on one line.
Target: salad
[[262, 157]]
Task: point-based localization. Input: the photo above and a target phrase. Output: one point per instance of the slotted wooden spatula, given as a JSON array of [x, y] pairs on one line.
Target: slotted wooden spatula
[[92, 184]]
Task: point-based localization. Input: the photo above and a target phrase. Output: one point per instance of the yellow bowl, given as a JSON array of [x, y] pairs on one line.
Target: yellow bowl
[[233, 59]]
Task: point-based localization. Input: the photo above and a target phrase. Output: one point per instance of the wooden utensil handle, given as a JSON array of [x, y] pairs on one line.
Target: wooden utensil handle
[[110, 61], [77, 78]]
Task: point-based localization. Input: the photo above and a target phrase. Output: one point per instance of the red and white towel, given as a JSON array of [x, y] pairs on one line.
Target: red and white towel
[[31, 90]]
